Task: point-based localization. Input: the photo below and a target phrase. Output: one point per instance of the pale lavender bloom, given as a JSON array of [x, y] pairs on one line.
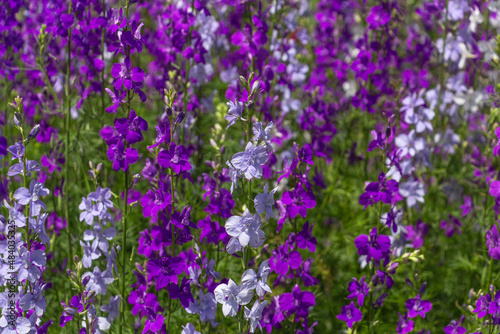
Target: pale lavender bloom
[[234, 112], [90, 252], [34, 300], [255, 314], [28, 264], [471, 100], [189, 329], [233, 175], [409, 144], [209, 268], [257, 281], [245, 229], [23, 326], [31, 166], [457, 9], [99, 280], [38, 227], [207, 307], [448, 141], [17, 151], [231, 296], [413, 191], [194, 275], [412, 101], [89, 211], [113, 308], [250, 162], [101, 236], [452, 49], [263, 134], [102, 195], [264, 202], [15, 215], [420, 118], [32, 196], [456, 84]]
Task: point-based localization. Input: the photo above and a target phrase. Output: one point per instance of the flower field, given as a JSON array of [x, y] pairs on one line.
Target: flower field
[[244, 166]]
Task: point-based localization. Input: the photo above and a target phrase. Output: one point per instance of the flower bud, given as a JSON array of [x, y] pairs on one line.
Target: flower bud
[[70, 311], [91, 165], [255, 87], [86, 280], [180, 118], [18, 119], [92, 174], [168, 110], [250, 105], [34, 131], [99, 167], [75, 258]]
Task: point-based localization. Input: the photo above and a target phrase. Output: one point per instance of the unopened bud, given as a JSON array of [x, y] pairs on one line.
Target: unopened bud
[[34, 131], [180, 118], [91, 164], [92, 174], [243, 81], [75, 258], [168, 111], [250, 105], [70, 311], [18, 119], [137, 176], [85, 280], [255, 87], [91, 294], [99, 167]]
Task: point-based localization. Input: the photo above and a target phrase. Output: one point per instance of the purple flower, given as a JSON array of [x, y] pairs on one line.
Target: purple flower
[[32, 196], [298, 201], [417, 233], [250, 162], [255, 314], [378, 17], [182, 292], [493, 242], [122, 157], [482, 305], [417, 306], [130, 128], [154, 321], [297, 302], [373, 246], [358, 289], [350, 314], [283, 259], [17, 150], [175, 158], [165, 270], [156, 200], [305, 238], [384, 190], [452, 226], [467, 206], [140, 298], [124, 75], [116, 99], [405, 325], [454, 328], [257, 281]]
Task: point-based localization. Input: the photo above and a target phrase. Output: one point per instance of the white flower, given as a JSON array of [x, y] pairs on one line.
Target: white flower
[[246, 230], [255, 314], [231, 296]]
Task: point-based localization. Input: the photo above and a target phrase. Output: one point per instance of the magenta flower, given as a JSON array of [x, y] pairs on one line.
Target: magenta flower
[[493, 242], [452, 226], [122, 157], [417, 233], [350, 314], [359, 290], [124, 75], [116, 99], [405, 325]]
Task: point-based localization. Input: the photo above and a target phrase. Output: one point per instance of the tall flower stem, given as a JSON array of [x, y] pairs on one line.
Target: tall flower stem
[[67, 117]]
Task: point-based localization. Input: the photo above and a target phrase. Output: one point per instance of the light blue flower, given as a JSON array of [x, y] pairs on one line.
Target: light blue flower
[[250, 162]]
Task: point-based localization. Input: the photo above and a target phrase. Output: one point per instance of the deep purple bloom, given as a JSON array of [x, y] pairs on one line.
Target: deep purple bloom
[[297, 302], [350, 314], [124, 75], [493, 242], [131, 128], [175, 157], [454, 328], [284, 258], [182, 292], [116, 99], [156, 200], [417, 306], [358, 289], [482, 305], [373, 246], [467, 206], [165, 270], [298, 201], [405, 325], [121, 156], [305, 238], [379, 16], [384, 190]]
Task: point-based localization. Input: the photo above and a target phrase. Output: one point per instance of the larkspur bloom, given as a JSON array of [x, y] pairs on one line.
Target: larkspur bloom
[[231, 296], [350, 314], [257, 281], [417, 306], [250, 161], [244, 230], [264, 202]]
